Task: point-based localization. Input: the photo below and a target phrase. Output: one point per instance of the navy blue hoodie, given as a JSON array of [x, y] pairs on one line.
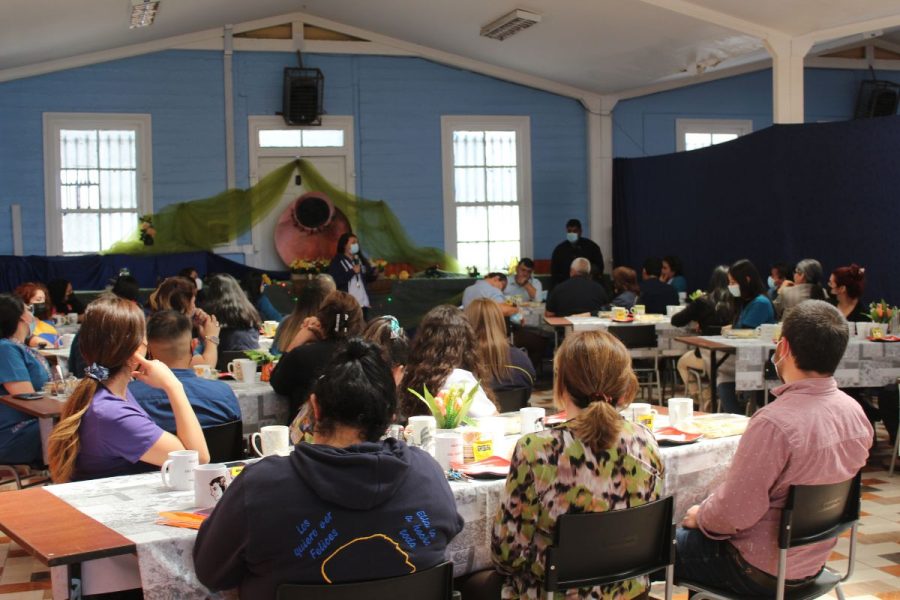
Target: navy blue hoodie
[[328, 515]]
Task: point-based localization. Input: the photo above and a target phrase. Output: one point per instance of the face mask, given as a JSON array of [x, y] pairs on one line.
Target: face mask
[[31, 327], [40, 310], [771, 283], [199, 283], [354, 248], [775, 363], [572, 237], [735, 290]]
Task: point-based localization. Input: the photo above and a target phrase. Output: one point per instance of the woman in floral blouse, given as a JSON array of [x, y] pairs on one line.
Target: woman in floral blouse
[[596, 461]]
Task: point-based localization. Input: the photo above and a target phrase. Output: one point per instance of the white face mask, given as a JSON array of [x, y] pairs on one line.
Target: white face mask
[[199, 283], [572, 236], [775, 363], [354, 248], [735, 290], [771, 283]]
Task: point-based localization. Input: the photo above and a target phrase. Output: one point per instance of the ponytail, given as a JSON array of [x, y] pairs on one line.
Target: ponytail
[[598, 426], [64, 442]]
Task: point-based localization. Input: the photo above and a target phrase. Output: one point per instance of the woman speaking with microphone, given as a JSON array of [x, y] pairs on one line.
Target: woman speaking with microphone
[[351, 270]]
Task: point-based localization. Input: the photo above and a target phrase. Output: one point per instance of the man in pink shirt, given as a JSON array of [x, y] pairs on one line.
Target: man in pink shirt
[[812, 434]]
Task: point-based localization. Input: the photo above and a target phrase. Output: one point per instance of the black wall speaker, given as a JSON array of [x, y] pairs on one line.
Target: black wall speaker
[[302, 103], [877, 99]]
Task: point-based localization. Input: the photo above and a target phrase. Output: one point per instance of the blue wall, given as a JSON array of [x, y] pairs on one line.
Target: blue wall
[[396, 103]]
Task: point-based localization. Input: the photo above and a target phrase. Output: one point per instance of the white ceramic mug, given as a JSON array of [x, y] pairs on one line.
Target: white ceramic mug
[[204, 371], [448, 448], [65, 340], [673, 309], [210, 482], [680, 409], [178, 471], [767, 332], [243, 370], [864, 330], [638, 310], [269, 328], [420, 431], [72, 318], [641, 413], [274, 439], [619, 313], [531, 419]]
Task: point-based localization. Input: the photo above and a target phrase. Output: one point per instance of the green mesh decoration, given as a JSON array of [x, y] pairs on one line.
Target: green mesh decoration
[[209, 222]]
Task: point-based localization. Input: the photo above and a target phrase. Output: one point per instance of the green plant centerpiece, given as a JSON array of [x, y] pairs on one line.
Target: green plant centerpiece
[[265, 360], [451, 405]]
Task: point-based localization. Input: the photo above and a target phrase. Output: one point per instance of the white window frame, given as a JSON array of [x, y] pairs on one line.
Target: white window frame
[[53, 123], [738, 127], [522, 126]]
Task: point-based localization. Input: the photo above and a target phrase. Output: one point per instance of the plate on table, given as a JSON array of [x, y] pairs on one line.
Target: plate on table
[[625, 320], [884, 338], [493, 467], [670, 436]]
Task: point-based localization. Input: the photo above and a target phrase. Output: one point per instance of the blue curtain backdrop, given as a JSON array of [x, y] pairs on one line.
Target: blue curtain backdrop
[[93, 272], [827, 191]]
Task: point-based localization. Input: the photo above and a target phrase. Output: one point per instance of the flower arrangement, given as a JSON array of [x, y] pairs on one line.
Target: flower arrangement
[[265, 360], [473, 272], [148, 233], [450, 406], [511, 267], [380, 264], [881, 312], [309, 267]]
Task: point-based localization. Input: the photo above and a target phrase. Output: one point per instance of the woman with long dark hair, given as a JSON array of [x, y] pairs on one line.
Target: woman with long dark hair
[[63, 299], [237, 316], [103, 431], [180, 293], [351, 270], [309, 301]]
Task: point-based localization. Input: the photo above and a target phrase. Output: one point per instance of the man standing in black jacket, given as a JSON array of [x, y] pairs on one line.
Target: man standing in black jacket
[[575, 246]]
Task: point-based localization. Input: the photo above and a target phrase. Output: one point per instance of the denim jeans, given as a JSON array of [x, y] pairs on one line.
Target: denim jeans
[[708, 562], [728, 397]]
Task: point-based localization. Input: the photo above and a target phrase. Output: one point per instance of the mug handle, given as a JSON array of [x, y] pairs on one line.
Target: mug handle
[[163, 471], [230, 367], [253, 438]]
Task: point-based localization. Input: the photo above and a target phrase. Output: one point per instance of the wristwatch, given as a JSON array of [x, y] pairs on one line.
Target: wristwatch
[[212, 338]]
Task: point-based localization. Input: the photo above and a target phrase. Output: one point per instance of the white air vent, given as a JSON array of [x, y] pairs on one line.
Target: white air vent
[[143, 12], [510, 24]]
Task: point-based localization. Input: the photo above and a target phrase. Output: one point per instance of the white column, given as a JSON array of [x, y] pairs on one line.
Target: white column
[[228, 83], [600, 155], [787, 77]]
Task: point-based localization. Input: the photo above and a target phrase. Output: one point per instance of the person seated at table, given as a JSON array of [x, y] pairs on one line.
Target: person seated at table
[[386, 333], [577, 294], [846, 286], [444, 352], [103, 431], [347, 507], [169, 341], [655, 295], [491, 287], [255, 288], [807, 283], [612, 463], [238, 318], [43, 333], [813, 434], [309, 301], [179, 293], [755, 309], [625, 287], [778, 274], [339, 319], [128, 287], [710, 312], [524, 285], [508, 367], [22, 371], [672, 274], [62, 299]]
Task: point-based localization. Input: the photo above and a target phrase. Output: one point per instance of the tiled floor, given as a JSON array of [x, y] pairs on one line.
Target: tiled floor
[[876, 576]]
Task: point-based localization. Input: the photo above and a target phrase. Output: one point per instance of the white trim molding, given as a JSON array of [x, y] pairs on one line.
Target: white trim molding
[[738, 127]]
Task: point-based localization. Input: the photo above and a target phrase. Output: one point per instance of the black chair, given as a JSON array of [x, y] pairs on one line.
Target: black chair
[[226, 356], [813, 513], [513, 400], [435, 583], [591, 549], [225, 442], [642, 345]]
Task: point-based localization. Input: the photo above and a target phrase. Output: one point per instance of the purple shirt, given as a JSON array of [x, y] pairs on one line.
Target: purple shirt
[[114, 435], [813, 434]]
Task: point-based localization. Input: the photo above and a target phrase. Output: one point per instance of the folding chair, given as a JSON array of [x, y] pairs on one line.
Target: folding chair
[[642, 344], [435, 583]]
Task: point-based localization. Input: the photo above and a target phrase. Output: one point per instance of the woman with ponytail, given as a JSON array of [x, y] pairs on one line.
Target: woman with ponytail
[[594, 462], [846, 286], [103, 431]]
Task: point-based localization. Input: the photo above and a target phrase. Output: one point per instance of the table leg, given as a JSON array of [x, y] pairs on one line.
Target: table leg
[[713, 376], [45, 424], [66, 582]]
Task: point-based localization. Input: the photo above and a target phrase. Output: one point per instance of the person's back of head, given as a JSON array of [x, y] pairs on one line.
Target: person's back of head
[[593, 371], [718, 295], [853, 278], [341, 316], [580, 267], [652, 267], [174, 293], [169, 338], [309, 300], [489, 327], [817, 334], [11, 309], [127, 286], [625, 280], [57, 289], [386, 333], [811, 269], [227, 301], [357, 391]]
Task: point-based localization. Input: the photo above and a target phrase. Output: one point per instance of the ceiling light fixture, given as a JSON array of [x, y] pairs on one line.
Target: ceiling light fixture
[[143, 12], [510, 24]]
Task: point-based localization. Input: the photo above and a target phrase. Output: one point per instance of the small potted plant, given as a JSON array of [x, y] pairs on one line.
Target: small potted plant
[[265, 360], [881, 312], [451, 406]]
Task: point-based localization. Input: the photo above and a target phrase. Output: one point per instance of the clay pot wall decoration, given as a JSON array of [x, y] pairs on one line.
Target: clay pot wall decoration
[[309, 228]]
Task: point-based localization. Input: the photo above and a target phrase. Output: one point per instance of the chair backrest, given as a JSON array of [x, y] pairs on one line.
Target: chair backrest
[[818, 512], [226, 356], [225, 442], [635, 336], [435, 583], [513, 400], [711, 330], [592, 549]]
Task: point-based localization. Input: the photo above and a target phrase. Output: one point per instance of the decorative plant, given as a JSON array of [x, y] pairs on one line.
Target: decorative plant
[[450, 406], [473, 272], [310, 267], [511, 267], [881, 311], [265, 360], [380, 264], [148, 233], [695, 294]]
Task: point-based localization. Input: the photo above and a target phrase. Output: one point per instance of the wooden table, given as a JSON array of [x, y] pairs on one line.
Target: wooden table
[[66, 540], [713, 347], [45, 409]]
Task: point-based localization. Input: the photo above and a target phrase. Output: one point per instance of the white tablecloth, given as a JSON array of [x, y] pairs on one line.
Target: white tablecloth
[[130, 506], [260, 405], [665, 332]]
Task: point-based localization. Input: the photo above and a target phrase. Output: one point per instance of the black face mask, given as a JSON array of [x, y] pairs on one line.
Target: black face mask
[[41, 311]]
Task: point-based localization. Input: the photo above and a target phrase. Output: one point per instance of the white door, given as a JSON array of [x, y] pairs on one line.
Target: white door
[[332, 168]]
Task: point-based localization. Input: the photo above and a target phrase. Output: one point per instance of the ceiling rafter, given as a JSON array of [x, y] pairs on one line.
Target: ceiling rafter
[[689, 9]]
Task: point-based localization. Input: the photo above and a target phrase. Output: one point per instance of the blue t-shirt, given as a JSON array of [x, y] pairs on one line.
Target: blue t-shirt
[[756, 312], [114, 435], [481, 289], [679, 283], [213, 401], [19, 436]]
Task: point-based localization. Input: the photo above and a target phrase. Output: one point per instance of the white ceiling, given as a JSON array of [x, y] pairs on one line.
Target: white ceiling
[[600, 46]]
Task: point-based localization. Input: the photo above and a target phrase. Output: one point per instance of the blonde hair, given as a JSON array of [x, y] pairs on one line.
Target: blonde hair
[[112, 332], [490, 330], [593, 368]]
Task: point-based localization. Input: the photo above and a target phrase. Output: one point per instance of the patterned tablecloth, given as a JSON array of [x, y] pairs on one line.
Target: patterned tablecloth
[[665, 332], [260, 405], [130, 505]]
